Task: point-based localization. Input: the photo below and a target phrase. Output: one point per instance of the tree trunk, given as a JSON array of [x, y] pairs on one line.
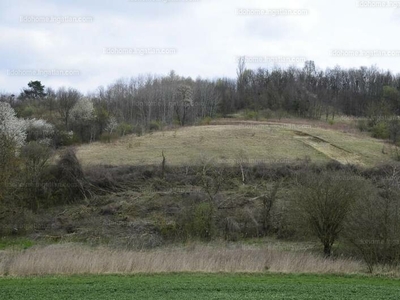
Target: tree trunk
[[327, 250]]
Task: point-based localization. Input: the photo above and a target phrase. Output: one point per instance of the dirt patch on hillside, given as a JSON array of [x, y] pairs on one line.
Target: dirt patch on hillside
[[330, 150], [292, 123]]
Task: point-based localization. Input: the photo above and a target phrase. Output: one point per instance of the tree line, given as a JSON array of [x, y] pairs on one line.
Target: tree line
[[149, 102]]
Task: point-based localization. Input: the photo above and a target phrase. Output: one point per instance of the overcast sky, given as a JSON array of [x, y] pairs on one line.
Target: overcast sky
[[194, 38]]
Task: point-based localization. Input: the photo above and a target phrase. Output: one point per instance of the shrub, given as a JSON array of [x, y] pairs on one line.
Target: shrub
[[76, 139], [167, 229], [251, 115], [154, 126], [196, 221], [362, 125], [380, 131], [26, 112], [70, 182], [206, 121], [203, 226], [61, 137], [35, 156], [281, 113], [334, 165], [15, 220], [395, 153], [231, 229], [394, 131], [124, 128], [267, 114], [39, 130], [107, 137], [138, 130]]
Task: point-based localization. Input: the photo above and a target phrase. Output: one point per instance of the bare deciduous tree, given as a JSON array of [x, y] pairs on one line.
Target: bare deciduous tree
[[66, 100], [323, 201], [184, 102]]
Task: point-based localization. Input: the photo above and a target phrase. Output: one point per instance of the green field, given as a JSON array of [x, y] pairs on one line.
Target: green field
[[200, 286]]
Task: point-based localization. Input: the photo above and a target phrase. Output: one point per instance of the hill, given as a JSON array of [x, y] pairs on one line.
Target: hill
[[233, 141]]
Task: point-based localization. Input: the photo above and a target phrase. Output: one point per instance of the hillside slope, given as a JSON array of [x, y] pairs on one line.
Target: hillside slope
[[252, 142]]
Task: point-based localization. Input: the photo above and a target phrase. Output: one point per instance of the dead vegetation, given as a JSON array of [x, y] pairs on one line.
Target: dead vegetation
[[73, 259]]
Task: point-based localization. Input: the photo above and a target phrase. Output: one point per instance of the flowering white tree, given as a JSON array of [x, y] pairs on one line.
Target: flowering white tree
[[12, 138], [11, 128], [83, 111], [112, 125], [39, 130], [82, 115]]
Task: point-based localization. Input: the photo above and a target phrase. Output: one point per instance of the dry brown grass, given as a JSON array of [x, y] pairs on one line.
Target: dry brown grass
[[256, 141], [73, 259], [189, 145]]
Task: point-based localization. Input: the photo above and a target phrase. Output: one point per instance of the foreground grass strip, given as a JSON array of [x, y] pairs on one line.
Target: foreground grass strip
[[200, 286], [69, 259]]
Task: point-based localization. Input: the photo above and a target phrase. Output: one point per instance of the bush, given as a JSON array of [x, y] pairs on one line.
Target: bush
[[138, 130], [203, 226], [394, 131], [251, 115], [107, 137], [124, 129], [362, 125], [154, 126], [196, 221], [39, 130], [26, 112], [334, 165], [268, 114], [395, 153], [76, 139], [206, 121], [70, 182], [35, 156], [15, 220], [231, 229], [62, 138], [381, 131], [167, 229]]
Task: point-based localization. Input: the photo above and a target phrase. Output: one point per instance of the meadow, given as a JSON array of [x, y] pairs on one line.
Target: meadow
[[230, 142]]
